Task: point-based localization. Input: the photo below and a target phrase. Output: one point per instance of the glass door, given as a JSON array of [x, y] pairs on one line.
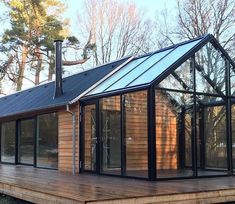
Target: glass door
[[26, 141], [101, 142], [110, 135], [90, 138], [213, 152]]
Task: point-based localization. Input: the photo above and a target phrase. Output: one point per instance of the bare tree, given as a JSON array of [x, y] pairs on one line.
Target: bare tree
[[199, 17], [117, 29]]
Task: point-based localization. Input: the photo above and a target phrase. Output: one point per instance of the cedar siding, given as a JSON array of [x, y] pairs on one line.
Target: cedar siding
[[65, 146]]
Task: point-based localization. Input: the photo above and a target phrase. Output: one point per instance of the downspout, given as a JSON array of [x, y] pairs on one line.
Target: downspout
[[73, 137]]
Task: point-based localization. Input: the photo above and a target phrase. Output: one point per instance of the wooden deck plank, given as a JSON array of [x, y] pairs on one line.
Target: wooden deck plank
[[48, 186]]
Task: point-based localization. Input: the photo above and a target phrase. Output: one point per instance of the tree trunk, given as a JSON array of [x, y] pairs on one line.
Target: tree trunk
[[37, 76], [21, 70], [51, 68], [39, 66]]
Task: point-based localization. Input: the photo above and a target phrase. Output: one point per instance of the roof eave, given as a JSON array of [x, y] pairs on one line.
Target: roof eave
[[33, 111]]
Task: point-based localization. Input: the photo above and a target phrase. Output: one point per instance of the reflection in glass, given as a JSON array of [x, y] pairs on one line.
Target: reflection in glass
[[26, 142], [8, 132], [233, 133], [136, 133], [215, 137], [173, 134], [47, 141], [164, 64], [232, 79], [111, 135], [187, 131], [211, 137], [180, 79], [210, 70], [90, 138]]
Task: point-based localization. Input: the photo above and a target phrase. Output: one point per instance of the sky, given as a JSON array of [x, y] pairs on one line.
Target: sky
[[151, 9]]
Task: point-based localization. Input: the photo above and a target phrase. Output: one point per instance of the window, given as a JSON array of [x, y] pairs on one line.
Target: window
[[215, 137], [173, 134], [8, 133], [26, 141], [136, 134], [210, 70], [47, 141]]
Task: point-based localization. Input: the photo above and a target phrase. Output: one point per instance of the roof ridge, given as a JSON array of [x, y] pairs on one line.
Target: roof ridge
[[172, 46]]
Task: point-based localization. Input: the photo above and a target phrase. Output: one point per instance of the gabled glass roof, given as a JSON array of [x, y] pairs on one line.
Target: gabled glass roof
[[143, 70]]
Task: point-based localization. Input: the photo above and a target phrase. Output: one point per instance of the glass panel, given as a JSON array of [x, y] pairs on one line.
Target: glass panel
[[111, 135], [115, 77], [136, 133], [233, 134], [180, 79], [164, 64], [173, 134], [187, 131], [47, 141], [211, 66], [90, 137], [215, 137], [26, 142], [232, 77], [202, 84], [212, 135], [8, 136], [141, 68]]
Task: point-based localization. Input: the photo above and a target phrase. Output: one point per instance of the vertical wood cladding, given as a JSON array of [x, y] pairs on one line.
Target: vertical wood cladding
[[65, 140]]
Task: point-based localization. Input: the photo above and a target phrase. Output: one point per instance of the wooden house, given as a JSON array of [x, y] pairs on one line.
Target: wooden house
[[165, 114]]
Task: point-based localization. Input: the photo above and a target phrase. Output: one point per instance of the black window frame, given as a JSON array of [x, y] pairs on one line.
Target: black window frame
[[17, 135]]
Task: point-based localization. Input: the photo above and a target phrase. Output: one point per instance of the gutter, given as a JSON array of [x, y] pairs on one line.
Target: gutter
[[73, 138]]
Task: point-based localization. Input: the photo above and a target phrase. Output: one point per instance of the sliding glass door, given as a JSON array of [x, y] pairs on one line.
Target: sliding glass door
[[32, 141], [26, 141]]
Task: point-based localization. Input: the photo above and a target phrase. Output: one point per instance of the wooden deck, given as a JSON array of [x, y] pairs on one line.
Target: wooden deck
[[48, 186]]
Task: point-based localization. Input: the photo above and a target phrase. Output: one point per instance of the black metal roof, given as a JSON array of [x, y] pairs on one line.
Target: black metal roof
[[42, 96]]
